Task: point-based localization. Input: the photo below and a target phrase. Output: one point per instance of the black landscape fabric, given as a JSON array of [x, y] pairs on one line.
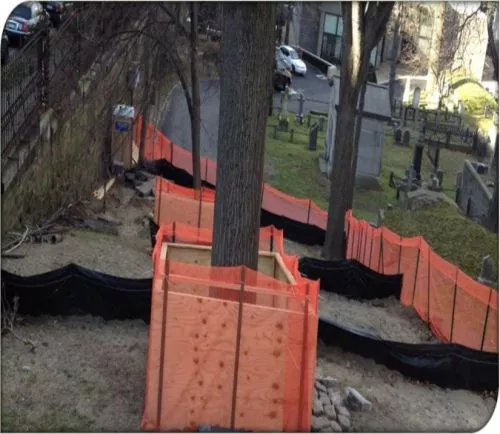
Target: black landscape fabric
[[351, 279], [75, 290]]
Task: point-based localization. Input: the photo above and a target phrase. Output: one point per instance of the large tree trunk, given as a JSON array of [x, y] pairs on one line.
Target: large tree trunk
[[195, 97], [246, 54]]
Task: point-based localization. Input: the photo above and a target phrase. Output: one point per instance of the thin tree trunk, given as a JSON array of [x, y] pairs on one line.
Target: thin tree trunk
[[394, 53], [492, 219], [147, 107], [357, 135], [434, 66], [333, 248], [364, 25], [195, 97], [246, 56]]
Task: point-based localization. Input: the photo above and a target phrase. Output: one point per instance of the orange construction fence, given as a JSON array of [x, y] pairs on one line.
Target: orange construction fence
[[270, 239], [393, 255], [225, 361], [457, 308]]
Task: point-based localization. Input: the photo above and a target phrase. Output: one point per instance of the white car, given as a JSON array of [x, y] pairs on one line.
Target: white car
[[298, 65]]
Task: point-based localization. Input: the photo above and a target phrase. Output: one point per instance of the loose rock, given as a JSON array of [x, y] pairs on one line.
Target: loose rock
[[345, 422], [342, 411], [319, 423], [324, 399], [355, 401], [327, 382], [317, 408], [335, 427], [336, 397], [320, 386], [330, 412]]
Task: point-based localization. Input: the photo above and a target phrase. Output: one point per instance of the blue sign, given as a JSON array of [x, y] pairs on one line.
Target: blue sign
[[122, 127]]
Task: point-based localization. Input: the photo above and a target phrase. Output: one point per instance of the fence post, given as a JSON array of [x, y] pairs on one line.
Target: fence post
[[272, 239], [173, 232], [309, 211], [304, 364], [428, 285], [381, 254], [237, 351], [400, 251], [454, 304], [486, 319], [360, 239], [415, 280], [199, 207]]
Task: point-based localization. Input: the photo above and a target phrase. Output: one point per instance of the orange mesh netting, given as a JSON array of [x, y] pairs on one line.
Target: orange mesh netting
[[231, 363], [457, 308], [426, 281]]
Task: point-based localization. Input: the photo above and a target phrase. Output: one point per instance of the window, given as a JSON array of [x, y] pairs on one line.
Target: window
[[331, 48], [284, 51], [22, 11]]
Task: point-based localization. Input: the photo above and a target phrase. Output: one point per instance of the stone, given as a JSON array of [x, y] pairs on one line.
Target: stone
[[146, 188], [336, 397], [327, 382], [317, 408], [355, 401], [320, 386], [406, 138], [329, 411], [26, 368], [335, 427], [342, 411], [344, 422], [397, 136], [320, 422], [324, 399]]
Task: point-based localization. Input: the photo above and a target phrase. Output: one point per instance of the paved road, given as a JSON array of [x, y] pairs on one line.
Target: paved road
[[176, 124]]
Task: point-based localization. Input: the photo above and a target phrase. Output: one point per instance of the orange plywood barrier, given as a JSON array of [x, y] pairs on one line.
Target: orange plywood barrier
[[229, 363]]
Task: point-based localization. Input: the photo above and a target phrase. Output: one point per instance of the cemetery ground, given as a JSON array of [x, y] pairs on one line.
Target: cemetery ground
[[293, 169], [87, 374]]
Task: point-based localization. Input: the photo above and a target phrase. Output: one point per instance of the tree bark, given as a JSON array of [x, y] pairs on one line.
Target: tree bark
[[492, 218], [357, 135], [364, 25], [394, 52], [195, 97], [246, 56]]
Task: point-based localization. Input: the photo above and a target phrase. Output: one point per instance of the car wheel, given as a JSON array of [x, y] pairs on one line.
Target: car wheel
[[293, 69]]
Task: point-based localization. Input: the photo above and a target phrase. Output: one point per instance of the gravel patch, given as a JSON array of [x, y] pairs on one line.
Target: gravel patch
[[401, 404], [86, 375], [387, 318]]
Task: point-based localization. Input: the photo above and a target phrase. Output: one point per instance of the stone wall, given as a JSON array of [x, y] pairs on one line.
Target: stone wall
[[473, 196], [71, 148]]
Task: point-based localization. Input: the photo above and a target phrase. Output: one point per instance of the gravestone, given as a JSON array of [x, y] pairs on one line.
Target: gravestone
[[448, 138], [440, 177], [313, 136], [461, 108], [397, 136], [416, 98], [406, 138], [417, 159]]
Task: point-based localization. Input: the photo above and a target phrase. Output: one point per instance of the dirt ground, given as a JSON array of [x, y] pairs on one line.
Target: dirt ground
[[89, 375]]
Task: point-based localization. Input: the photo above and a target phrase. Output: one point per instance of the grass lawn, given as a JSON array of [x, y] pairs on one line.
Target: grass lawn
[[293, 169]]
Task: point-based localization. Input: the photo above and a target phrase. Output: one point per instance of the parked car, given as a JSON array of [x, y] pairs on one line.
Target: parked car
[[298, 65], [5, 48], [56, 11], [282, 71], [25, 20]]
